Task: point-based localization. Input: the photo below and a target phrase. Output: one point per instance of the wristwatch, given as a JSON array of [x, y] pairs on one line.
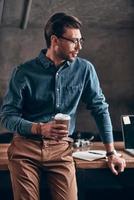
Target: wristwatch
[[110, 153]]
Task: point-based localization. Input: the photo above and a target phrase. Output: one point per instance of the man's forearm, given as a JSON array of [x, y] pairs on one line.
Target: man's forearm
[[110, 149]]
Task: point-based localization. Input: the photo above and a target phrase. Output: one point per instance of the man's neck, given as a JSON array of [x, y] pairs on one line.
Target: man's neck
[[53, 58]]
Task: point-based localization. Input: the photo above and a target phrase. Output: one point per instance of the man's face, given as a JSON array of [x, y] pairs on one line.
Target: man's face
[[69, 44]]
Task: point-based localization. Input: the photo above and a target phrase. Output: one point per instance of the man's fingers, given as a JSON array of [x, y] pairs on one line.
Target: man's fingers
[[60, 126], [118, 167], [53, 129], [59, 132], [122, 166], [113, 169]]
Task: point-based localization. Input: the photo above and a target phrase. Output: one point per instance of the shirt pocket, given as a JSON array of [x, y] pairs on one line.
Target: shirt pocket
[[72, 94]]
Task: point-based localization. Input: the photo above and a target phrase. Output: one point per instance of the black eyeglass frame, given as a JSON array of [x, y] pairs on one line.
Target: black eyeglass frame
[[75, 41]]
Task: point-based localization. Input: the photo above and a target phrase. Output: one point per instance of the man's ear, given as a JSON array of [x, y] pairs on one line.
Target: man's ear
[[54, 40]]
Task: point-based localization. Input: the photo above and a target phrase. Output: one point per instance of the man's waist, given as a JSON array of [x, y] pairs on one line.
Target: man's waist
[[41, 137]]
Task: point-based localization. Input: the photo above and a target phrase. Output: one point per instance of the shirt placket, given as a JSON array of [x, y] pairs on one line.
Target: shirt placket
[[57, 90]]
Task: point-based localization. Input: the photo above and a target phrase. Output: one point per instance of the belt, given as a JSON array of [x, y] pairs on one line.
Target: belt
[[41, 137], [35, 137]]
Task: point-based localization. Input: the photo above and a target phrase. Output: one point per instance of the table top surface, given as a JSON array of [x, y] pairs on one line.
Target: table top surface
[[102, 163], [83, 164]]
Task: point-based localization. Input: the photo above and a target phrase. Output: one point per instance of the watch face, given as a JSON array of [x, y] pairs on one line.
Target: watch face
[[110, 153]]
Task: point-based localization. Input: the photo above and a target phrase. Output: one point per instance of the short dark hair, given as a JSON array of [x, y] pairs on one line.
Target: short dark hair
[[57, 23]]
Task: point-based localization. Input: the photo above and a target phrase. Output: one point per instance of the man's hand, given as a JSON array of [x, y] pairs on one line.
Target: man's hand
[[50, 129], [116, 164], [54, 130]]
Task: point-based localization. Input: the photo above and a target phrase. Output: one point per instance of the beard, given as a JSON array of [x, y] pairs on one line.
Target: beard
[[70, 56]]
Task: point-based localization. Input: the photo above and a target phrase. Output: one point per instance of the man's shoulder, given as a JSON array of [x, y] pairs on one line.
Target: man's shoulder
[[23, 68], [84, 62], [32, 63], [27, 65]]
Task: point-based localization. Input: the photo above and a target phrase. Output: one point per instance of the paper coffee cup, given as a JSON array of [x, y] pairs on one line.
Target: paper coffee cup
[[62, 119]]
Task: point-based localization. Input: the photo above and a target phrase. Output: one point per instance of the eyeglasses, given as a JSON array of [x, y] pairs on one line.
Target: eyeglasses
[[75, 41]]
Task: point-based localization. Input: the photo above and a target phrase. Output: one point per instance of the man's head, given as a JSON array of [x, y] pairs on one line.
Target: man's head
[[57, 25], [63, 36]]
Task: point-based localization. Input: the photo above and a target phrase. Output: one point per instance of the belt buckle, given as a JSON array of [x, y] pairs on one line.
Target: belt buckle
[[43, 137]]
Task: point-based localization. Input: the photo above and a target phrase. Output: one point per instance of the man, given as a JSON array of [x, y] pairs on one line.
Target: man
[[53, 82]]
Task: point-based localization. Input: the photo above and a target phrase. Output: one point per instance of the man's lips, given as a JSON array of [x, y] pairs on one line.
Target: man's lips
[[74, 54]]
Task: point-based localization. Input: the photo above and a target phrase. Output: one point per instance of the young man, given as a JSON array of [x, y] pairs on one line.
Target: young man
[[53, 82]]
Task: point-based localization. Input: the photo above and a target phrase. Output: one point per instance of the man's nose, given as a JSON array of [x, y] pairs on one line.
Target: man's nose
[[78, 45]]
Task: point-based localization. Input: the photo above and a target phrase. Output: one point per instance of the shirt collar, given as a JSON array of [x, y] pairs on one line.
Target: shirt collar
[[46, 62], [43, 59]]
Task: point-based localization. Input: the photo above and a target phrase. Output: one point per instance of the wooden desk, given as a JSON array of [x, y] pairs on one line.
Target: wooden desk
[[3, 156], [102, 163], [80, 164]]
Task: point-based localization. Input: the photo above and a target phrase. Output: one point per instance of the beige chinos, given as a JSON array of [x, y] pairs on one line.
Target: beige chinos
[[28, 156]]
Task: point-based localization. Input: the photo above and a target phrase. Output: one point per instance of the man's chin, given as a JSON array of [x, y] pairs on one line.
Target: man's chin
[[71, 59]]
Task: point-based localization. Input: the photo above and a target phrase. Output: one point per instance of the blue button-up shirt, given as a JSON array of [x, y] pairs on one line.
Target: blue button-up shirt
[[38, 90]]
